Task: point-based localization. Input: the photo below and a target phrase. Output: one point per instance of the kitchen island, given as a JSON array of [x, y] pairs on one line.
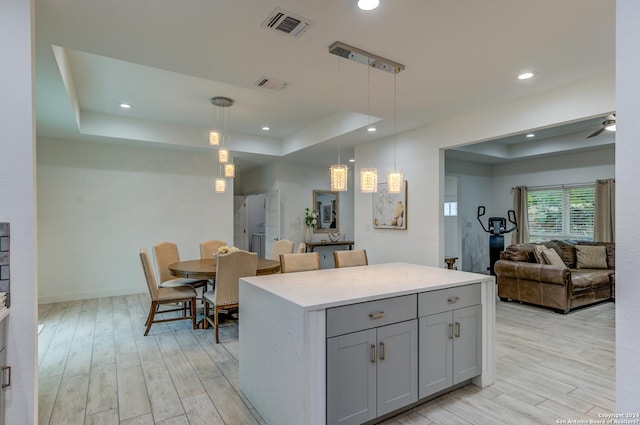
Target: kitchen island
[[293, 330]]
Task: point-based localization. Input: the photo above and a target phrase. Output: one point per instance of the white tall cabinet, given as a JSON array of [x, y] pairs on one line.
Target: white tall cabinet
[[344, 345]]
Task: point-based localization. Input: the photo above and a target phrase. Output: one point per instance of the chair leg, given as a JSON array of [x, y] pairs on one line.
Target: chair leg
[[206, 315], [193, 313], [152, 314], [215, 312]]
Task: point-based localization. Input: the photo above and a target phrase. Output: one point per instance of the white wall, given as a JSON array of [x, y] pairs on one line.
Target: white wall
[[99, 203], [17, 206], [627, 206]]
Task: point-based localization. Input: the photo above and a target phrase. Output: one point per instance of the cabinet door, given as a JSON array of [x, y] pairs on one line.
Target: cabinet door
[[351, 378], [467, 348], [436, 353], [397, 366]]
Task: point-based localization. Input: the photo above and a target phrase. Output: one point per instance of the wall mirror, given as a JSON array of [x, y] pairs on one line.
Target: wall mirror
[[326, 203]]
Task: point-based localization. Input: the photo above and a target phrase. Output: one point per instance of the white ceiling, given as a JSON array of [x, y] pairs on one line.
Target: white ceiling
[[169, 58]]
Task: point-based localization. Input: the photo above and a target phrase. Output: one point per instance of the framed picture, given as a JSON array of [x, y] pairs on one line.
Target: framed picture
[[326, 213], [390, 209]]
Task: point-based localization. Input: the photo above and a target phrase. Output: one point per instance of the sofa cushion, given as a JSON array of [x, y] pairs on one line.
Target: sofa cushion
[[567, 251], [591, 257], [582, 279], [611, 251], [519, 252], [552, 257], [537, 253]]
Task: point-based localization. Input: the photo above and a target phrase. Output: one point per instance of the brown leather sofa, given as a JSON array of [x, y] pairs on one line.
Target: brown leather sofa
[[521, 277]]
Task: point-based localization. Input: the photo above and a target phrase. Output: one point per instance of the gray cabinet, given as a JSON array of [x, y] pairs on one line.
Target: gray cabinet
[[450, 338], [373, 371]]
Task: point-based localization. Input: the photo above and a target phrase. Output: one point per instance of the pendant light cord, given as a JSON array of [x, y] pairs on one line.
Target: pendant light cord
[[395, 119]]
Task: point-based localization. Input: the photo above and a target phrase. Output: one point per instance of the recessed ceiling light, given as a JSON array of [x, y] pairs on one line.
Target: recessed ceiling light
[[371, 129], [125, 106], [531, 135], [525, 75], [368, 4], [352, 160], [265, 128]]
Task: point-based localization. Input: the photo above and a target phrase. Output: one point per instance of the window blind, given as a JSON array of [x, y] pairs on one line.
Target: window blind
[[565, 213]]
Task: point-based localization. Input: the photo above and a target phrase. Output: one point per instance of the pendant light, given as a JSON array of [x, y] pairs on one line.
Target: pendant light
[[221, 137], [339, 172], [368, 176], [395, 177]]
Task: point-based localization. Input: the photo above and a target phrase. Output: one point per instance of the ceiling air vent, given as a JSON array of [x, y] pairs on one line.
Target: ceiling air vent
[[271, 83], [287, 22]]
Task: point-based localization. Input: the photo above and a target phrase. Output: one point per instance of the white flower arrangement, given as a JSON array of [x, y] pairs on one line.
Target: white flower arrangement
[[225, 250], [310, 217]]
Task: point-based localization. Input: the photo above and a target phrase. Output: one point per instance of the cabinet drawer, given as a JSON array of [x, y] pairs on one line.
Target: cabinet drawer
[[434, 302], [357, 317]]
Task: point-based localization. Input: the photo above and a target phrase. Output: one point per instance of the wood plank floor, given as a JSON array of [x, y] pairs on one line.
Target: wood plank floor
[[96, 368]]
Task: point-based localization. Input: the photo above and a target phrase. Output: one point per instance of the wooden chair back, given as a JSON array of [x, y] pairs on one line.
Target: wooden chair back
[[165, 253], [351, 258], [149, 276], [229, 269], [298, 262], [208, 248]]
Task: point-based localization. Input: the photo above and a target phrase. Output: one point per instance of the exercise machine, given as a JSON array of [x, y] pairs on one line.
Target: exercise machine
[[496, 227]]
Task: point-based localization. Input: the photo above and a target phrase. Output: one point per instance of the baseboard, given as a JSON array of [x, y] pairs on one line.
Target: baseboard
[[75, 296]]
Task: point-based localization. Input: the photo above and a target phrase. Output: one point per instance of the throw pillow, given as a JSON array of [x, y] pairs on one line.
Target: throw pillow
[[552, 257], [537, 253], [591, 257]]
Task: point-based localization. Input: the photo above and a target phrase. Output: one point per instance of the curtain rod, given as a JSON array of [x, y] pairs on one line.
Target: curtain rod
[[559, 186]]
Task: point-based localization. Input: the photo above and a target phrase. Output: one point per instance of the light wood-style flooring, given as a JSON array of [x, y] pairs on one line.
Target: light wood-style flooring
[[96, 368]]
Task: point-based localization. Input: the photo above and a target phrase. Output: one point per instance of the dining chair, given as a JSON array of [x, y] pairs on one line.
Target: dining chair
[[302, 248], [208, 248], [166, 253], [229, 269], [171, 295], [282, 246], [299, 262], [356, 257]]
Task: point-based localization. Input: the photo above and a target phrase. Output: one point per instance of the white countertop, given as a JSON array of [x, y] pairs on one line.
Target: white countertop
[[327, 288]]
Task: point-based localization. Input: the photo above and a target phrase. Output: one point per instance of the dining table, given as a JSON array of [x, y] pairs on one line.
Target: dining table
[[206, 268]]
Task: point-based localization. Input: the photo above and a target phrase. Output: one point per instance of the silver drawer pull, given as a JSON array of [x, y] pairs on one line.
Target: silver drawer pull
[[6, 370], [452, 300], [378, 315]]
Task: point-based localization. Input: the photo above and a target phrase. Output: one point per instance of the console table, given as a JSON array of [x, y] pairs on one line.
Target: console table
[[313, 245]]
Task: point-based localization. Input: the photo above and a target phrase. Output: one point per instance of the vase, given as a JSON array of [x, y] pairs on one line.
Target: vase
[[307, 235]]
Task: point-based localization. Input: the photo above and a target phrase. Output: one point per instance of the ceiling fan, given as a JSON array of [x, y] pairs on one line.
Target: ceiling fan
[[608, 124]]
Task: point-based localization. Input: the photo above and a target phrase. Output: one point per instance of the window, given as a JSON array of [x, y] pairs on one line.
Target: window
[[450, 209], [563, 213]]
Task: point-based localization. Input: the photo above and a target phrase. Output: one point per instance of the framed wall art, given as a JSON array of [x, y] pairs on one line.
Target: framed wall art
[[390, 209]]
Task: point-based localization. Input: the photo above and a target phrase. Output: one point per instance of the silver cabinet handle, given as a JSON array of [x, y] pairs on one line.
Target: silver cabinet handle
[[457, 329], [378, 315], [373, 353], [383, 351], [6, 371], [452, 300], [450, 331]]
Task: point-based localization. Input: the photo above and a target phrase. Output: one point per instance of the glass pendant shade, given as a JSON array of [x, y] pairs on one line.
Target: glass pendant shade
[[339, 175], [368, 180], [395, 179], [223, 155], [214, 138], [221, 185], [229, 170]]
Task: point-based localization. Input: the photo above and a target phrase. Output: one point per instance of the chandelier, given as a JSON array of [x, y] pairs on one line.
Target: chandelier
[[220, 137]]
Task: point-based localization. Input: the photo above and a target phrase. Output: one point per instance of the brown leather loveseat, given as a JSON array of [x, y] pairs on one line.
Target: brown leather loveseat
[[583, 275]]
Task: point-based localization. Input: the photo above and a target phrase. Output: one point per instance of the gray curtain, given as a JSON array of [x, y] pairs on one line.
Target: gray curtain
[[520, 207], [605, 218]]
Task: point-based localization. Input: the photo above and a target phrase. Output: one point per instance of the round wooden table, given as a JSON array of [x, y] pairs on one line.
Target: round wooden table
[[206, 269]]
